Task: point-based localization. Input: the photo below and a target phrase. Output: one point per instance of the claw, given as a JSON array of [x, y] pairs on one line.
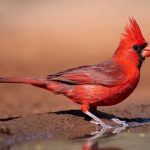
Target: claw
[[116, 120], [104, 126], [118, 130], [107, 127]]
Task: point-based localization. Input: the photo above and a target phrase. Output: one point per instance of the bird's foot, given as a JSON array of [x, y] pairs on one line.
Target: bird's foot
[[101, 132], [102, 124], [119, 129], [104, 131], [97, 120], [120, 122]]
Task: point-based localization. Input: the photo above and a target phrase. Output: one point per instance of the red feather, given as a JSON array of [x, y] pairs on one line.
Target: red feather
[[132, 34], [108, 73]]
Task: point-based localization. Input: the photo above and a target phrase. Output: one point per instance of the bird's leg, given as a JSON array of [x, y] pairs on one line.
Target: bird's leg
[[120, 122], [85, 109]]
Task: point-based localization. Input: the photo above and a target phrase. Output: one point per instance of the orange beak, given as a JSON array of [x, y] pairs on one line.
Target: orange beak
[[146, 52]]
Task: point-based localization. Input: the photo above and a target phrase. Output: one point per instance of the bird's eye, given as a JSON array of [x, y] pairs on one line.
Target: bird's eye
[[135, 47]]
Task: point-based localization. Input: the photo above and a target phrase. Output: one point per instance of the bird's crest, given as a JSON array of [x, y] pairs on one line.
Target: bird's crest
[[132, 34]]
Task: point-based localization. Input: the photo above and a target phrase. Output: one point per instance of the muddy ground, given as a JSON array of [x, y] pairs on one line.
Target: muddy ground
[[65, 124]]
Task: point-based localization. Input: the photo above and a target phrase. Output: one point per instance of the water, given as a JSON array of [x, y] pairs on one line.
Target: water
[[121, 141]]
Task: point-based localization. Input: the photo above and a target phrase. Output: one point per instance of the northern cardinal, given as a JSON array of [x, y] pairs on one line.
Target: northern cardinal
[[104, 84]]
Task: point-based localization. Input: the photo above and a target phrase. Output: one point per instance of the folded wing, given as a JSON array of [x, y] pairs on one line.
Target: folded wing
[[107, 73]]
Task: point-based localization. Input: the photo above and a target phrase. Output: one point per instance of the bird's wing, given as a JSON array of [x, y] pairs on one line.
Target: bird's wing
[[107, 73]]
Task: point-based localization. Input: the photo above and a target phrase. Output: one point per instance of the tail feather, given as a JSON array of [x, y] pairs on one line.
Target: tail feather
[[26, 80], [53, 86]]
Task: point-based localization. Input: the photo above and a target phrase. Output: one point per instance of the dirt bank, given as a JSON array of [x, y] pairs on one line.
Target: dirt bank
[[65, 124]]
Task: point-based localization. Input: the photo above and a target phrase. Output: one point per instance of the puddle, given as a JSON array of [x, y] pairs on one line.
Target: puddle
[[121, 141]]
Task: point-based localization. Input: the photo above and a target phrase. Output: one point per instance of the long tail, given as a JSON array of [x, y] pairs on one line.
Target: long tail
[[26, 80], [53, 86]]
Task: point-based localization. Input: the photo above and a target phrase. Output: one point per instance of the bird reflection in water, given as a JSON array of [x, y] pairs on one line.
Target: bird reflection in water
[[92, 143]]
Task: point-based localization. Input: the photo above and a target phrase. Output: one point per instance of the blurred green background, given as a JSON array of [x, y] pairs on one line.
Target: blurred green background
[[44, 36]]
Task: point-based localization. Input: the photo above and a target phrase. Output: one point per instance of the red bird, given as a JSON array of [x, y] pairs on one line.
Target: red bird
[[104, 84]]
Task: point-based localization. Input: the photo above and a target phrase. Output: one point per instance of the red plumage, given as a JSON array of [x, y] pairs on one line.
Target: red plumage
[[132, 34], [104, 84]]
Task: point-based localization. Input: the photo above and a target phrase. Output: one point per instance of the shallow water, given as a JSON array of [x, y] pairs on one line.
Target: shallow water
[[122, 141]]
